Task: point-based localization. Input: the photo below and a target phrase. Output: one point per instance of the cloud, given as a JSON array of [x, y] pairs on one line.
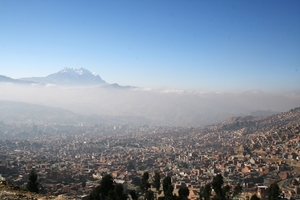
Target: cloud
[[160, 107], [50, 85]]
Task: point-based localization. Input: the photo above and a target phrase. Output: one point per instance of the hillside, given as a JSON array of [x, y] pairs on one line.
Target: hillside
[[270, 133], [19, 111], [11, 192]]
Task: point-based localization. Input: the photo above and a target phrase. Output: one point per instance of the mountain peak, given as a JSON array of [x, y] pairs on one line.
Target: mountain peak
[[69, 77], [75, 76], [79, 71]]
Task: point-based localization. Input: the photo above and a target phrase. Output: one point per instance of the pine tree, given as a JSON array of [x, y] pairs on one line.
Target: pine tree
[[106, 185], [274, 192], [118, 190], [207, 191], [217, 186], [184, 192], [149, 195], [226, 191], [32, 184], [133, 195], [156, 181], [167, 187], [104, 190], [145, 183], [237, 189]]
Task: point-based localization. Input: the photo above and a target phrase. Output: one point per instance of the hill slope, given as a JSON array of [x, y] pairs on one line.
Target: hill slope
[[254, 133]]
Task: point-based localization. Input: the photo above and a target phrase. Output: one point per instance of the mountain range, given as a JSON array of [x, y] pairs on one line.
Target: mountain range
[[6, 79], [65, 77]]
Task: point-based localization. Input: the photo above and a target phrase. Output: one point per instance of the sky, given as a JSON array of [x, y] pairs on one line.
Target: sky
[[217, 46]]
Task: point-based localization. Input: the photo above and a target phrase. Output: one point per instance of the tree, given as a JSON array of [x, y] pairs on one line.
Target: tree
[[133, 195], [169, 193], [149, 195], [273, 192], [104, 190], [167, 187], [106, 185], [201, 192], [184, 192], [166, 183], [111, 195], [226, 190], [32, 184], [254, 197], [145, 182], [217, 185], [83, 184], [118, 191], [145, 176], [95, 194], [207, 192], [237, 189], [156, 181]]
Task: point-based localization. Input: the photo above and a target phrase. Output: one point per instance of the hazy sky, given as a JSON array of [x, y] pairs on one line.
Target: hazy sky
[[177, 44]]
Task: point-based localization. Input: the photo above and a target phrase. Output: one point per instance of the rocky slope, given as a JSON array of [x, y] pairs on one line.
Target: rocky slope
[[11, 192]]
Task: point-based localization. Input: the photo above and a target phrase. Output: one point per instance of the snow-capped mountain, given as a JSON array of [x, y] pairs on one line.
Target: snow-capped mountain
[[74, 76], [70, 77]]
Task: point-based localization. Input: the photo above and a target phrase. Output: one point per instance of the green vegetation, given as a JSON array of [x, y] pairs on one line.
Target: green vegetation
[[112, 191], [226, 191], [167, 187], [183, 193], [145, 185], [237, 190], [149, 195], [133, 195], [221, 193], [156, 181], [207, 192], [108, 190], [32, 184], [217, 186], [254, 197], [274, 192]]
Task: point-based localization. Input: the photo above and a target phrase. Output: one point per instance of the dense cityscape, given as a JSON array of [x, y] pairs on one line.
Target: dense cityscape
[[252, 151]]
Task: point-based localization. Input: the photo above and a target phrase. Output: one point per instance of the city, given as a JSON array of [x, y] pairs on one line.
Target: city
[[252, 151]]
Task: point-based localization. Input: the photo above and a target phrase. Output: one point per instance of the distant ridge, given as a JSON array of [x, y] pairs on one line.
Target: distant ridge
[[116, 86], [6, 79], [261, 113], [70, 77], [247, 125], [23, 112]]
